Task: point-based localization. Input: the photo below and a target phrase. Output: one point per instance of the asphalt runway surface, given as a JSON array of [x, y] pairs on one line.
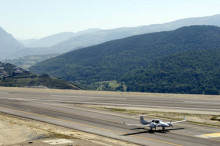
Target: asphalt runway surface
[[60, 108]]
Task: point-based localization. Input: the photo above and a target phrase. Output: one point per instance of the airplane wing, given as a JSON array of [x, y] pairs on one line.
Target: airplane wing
[[178, 121], [138, 125]]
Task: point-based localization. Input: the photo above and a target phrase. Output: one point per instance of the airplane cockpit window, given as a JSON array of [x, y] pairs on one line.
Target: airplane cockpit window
[[157, 121]]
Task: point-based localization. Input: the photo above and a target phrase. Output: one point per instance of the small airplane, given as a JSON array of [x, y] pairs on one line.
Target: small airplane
[[154, 123]]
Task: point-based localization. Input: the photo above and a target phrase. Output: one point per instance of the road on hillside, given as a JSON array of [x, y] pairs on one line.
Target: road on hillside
[[59, 108]]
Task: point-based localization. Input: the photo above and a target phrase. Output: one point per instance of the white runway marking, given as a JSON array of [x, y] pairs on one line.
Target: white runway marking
[[100, 143], [62, 96], [201, 102], [15, 98], [97, 97], [57, 141], [75, 96]]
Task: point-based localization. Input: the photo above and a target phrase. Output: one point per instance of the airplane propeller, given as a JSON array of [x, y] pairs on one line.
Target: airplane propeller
[[171, 124]]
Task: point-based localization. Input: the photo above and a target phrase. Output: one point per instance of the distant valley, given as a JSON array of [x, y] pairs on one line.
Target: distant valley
[[28, 61]]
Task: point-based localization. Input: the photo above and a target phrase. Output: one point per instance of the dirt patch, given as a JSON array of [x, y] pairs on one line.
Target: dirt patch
[[21, 131]]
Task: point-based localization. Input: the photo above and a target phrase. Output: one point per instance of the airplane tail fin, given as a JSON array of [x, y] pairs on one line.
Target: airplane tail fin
[[142, 121]]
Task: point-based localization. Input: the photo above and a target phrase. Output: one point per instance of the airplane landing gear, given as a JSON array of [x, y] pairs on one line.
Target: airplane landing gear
[[163, 129]]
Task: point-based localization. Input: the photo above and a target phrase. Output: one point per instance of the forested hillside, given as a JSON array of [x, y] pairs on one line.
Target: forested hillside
[[194, 71], [115, 59]]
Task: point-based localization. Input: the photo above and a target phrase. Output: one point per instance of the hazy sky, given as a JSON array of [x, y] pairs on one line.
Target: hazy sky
[[38, 18]]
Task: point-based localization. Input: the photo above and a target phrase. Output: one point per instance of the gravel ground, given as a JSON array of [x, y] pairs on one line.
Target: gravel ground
[[21, 132]]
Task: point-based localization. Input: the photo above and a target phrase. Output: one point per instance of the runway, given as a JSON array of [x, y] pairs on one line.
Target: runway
[[59, 108]]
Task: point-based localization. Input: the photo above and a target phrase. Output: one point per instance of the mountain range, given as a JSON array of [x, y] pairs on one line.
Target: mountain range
[[51, 40], [97, 37], [8, 45], [47, 41], [64, 42], [67, 41], [118, 59], [148, 62]]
